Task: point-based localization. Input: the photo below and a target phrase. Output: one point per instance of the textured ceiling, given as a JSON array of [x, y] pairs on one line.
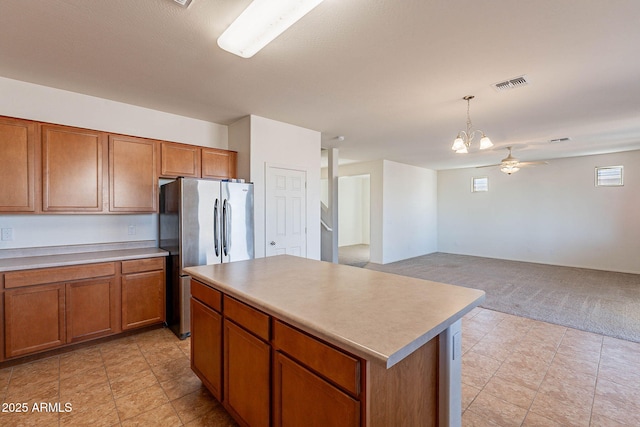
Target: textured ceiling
[[389, 75]]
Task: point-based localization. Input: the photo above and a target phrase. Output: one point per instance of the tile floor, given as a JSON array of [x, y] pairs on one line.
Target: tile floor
[[140, 380], [522, 372], [515, 372]]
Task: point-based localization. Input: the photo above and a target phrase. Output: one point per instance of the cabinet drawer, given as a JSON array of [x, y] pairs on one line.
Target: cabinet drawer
[[208, 296], [336, 366], [248, 317], [140, 265], [58, 274]]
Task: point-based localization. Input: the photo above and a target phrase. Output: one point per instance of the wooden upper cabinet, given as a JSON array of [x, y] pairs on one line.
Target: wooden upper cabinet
[[72, 169], [133, 175], [17, 165], [220, 164], [179, 160], [197, 162]]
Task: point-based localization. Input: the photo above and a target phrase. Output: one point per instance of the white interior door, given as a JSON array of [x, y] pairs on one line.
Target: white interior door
[[286, 212]]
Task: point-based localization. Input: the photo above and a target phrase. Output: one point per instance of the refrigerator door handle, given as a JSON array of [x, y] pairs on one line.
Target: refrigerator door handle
[[216, 226], [225, 228]]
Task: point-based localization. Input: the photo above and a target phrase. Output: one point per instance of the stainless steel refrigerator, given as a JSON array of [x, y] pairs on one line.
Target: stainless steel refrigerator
[[201, 222]]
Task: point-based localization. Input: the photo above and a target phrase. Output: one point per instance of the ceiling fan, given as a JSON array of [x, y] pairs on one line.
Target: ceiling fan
[[511, 165]]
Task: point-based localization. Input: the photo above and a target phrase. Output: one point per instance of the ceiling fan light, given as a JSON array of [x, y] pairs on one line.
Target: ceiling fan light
[[260, 23], [463, 150], [485, 142], [458, 144], [509, 169]]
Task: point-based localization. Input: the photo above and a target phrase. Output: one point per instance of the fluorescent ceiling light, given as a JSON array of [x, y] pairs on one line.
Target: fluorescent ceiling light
[[261, 22]]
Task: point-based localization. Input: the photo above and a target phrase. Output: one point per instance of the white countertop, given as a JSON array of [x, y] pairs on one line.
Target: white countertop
[[378, 316], [59, 260]]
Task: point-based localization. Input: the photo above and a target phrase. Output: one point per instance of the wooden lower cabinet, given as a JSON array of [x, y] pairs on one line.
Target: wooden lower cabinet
[[206, 346], [91, 309], [34, 319], [143, 299], [304, 398], [247, 374], [272, 373], [42, 317], [52, 307]]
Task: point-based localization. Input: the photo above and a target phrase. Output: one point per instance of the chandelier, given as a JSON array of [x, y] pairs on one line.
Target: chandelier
[[462, 143]]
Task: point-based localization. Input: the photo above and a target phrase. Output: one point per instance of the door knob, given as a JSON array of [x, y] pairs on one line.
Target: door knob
[[272, 243]]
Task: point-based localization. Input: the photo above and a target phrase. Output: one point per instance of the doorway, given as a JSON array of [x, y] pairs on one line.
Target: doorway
[[354, 219]]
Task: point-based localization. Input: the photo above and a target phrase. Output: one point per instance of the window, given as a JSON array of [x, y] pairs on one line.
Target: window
[[480, 184], [608, 176]]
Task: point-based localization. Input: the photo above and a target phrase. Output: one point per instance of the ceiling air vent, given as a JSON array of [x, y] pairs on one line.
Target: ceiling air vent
[[511, 84], [183, 3]]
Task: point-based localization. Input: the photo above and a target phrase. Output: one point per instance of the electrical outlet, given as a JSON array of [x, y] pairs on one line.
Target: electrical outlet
[[7, 234], [132, 230]]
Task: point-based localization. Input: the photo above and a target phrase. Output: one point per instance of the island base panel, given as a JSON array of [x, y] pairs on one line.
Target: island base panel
[[407, 393]]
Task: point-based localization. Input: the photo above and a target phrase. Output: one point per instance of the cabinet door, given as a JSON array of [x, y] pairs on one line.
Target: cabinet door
[[34, 319], [143, 297], [179, 160], [91, 308], [206, 346], [303, 398], [72, 169], [220, 164], [246, 376], [133, 176], [17, 165]]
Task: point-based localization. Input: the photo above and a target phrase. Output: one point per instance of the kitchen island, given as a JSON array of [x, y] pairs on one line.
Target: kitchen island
[[288, 340]]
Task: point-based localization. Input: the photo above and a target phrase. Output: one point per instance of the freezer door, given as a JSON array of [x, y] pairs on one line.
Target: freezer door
[[237, 221], [200, 215]]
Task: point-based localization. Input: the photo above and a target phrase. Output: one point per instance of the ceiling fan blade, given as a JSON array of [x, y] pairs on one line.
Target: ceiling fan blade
[[489, 166], [532, 163]]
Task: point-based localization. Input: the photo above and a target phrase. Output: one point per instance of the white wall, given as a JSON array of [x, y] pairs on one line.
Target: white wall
[[281, 144], [41, 103], [354, 210], [46, 104], [30, 231], [549, 214], [410, 211]]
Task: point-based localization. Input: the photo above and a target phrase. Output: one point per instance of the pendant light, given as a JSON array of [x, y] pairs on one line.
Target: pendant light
[[462, 143]]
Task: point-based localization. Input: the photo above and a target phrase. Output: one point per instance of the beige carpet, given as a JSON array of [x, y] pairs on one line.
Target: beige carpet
[[597, 301]]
